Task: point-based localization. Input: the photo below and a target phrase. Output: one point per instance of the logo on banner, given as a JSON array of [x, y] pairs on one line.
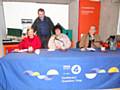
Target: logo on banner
[[70, 74], [94, 72], [76, 69], [49, 75]]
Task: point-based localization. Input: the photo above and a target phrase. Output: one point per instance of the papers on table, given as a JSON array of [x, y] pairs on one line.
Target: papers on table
[[88, 49], [22, 50], [91, 49], [51, 49], [82, 49], [37, 51]]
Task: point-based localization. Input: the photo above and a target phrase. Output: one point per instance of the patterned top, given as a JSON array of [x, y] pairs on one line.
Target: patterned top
[[59, 42]]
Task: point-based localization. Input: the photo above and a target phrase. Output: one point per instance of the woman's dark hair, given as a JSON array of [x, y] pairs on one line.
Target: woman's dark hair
[[58, 26]]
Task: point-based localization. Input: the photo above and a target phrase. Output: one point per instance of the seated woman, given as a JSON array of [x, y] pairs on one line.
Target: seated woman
[[31, 42], [90, 40], [59, 40]]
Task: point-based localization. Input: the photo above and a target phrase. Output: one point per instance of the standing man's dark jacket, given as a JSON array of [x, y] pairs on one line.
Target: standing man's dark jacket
[[44, 29]]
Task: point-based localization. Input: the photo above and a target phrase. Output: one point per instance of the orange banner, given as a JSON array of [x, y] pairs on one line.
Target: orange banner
[[89, 14]]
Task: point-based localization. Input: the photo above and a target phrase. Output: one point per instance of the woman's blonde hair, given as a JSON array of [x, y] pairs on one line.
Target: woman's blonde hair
[[30, 28]]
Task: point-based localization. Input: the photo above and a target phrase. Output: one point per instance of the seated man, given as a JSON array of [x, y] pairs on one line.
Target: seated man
[[31, 42], [90, 40], [59, 40]]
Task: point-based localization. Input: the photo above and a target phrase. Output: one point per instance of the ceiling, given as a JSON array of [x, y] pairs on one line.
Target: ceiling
[[54, 1], [43, 1]]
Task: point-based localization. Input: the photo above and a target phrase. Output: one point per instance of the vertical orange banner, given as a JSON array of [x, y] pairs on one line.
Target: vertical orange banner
[[89, 14]]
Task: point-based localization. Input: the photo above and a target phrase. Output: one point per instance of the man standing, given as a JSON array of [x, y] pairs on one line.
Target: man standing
[[44, 27]]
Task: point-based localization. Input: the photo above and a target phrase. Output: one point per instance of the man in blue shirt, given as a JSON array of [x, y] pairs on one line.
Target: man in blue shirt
[[44, 26]]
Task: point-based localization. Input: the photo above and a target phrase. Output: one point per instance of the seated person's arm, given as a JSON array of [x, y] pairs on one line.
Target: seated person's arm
[[83, 42], [67, 42], [38, 42], [51, 42], [97, 41], [20, 46]]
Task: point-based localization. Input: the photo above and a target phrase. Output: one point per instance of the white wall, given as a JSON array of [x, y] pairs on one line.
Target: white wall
[[15, 11]]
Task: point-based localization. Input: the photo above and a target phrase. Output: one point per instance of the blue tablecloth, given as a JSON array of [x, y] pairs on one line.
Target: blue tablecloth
[[60, 70]]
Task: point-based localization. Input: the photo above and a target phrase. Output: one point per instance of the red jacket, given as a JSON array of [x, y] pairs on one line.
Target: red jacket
[[34, 42]]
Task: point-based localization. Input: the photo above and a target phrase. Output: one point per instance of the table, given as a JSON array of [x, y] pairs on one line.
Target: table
[[10, 45], [60, 70]]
